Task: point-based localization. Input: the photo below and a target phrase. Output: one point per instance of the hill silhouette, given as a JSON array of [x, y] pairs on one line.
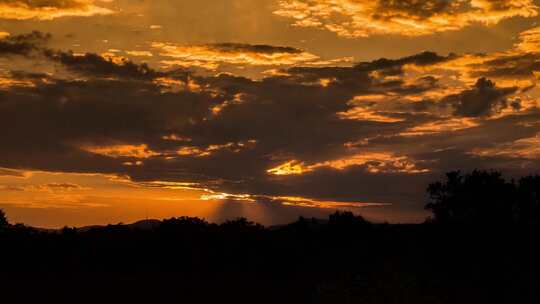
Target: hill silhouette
[[479, 247]]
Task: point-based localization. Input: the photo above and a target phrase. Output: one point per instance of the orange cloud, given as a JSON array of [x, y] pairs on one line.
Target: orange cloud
[[116, 151], [202, 152], [292, 167], [528, 148], [211, 56], [50, 9], [323, 204], [360, 111], [362, 18], [375, 162]]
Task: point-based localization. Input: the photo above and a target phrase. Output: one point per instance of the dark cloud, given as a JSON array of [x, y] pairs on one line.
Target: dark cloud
[[519, 66], [88, 64], [253, 48], [484, 99], [287, 117], [45, 3], [23, 45], [95, 65], [414, 8], [421, 59]]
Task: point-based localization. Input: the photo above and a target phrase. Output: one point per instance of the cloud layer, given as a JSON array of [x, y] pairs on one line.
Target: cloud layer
[[304, 135], [362, 18]]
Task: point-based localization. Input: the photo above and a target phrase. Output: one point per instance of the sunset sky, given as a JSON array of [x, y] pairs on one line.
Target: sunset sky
[[118, 110]]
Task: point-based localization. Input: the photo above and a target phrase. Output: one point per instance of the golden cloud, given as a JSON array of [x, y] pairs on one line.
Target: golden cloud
[[311, 203], [362, 18], [361, 111], [50, 9], [202, 152], [116, 151], [375, 162], [292, 167], [211, 56], [50, 187]]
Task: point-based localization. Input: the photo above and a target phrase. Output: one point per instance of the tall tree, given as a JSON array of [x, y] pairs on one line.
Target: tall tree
[[480, 197]]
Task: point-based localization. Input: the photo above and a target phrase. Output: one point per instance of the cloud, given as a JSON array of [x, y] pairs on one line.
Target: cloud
[[13, 173], [484, 99], [50, 9], [318, 135], [375, 162], [22, 45], [90, 64], [211, 56], [422, 59], [524, 148], [50, 187], [121, 151], [362, 18]]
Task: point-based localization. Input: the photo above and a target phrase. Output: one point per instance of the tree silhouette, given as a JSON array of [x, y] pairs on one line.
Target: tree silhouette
[[346, 219], [528, 210], [3, 220], [481, 197]]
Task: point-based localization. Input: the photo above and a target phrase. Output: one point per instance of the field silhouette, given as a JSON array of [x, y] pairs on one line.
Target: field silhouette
[[480, 246]]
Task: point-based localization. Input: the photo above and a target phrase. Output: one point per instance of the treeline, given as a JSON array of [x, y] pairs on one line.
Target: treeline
[[480, 246], [485, 198]]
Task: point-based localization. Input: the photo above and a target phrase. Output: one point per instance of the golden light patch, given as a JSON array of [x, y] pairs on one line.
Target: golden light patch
[[6, 82], [175, 85], [292, 167], [233, 147], [140, 53], [50, 9], [226, 196], [117, 151], [193, 151], [211, 57], [323, 204], [375, 162], [446, 125], [325, 82], [362, 18], [366, 114], [176, 137]]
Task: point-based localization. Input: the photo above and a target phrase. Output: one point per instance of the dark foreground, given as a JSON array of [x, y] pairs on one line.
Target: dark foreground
[[342, 260]]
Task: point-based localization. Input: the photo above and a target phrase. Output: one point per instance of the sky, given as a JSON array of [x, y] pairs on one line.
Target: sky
[[119, 110]]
